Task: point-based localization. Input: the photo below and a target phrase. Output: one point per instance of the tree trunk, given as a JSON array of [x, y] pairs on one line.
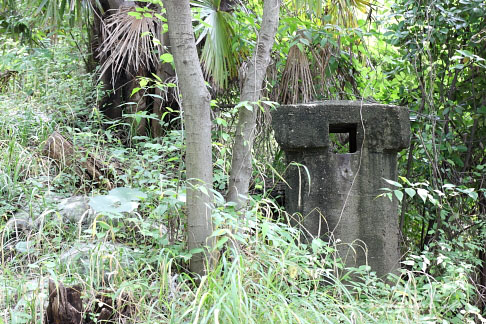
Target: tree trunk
[[196, 105], [65, 304], [110, 104], [162, 97], [241, 166]]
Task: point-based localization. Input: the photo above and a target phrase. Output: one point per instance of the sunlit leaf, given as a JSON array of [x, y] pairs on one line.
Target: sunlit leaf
[[422, 193], [394, 183], [219, 59], [398, 194], [167, 58], [127, 194], [410, 192]]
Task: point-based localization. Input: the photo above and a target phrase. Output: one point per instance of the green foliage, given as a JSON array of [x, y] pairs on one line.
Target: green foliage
[[432, 62], [338, 12], [219, 57], [49, 88], [15, 25], [443, 61], [117, 201], [430, 57]]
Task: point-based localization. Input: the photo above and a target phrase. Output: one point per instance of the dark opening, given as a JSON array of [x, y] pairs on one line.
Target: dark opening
[[342, 138]]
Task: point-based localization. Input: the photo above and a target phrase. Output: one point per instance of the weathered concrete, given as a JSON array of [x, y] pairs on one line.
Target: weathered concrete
[[340, 202]]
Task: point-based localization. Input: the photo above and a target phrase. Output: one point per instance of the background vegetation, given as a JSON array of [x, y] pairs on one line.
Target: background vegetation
[[427, 56]]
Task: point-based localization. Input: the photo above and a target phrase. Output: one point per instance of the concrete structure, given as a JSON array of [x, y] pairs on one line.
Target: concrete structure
[[340, 201]]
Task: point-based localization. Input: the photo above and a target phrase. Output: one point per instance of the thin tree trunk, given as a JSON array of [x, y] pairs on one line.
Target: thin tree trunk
[[196, 104], [241, 166], [110, 104], [164, 72]]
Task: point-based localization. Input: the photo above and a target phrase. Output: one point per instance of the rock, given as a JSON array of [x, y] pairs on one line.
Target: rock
[[19, 223], [76, 210]]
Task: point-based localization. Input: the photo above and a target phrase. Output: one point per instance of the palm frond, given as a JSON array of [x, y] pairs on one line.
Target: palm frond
[[53, 13], [296, 85], [128, 42], [345, 12], [220, 62]]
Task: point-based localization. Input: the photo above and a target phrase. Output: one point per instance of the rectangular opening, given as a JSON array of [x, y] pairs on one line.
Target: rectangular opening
[[342, 138]]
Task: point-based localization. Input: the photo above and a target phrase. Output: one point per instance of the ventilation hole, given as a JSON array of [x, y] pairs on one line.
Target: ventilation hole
[[342, 138]]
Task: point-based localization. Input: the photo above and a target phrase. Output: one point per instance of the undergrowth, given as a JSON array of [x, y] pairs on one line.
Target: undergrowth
[[139, 258]]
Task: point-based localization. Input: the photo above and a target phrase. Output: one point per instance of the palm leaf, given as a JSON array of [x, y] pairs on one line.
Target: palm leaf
[[127, 43], [54, 12], [219, 60], [345, 12]]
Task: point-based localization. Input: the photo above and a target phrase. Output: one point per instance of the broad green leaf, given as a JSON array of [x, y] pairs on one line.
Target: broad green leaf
[[301, 47], [160, 17], [410, 192], [24, 246], [104, 225], [393, 183], [473, 195], [161, 209], [167, 58], [221, 121], [438, 192], [482, 110], [405, 180], [434, 201], [317, 244], [143, 82], [245, 104], [135, 90], [127, 194], [398, 194], [409, 262], [422, 193], [103, 203], [204, 190], [448, 186], [135, 14], [466, 53], [126, 207], [112, 205]]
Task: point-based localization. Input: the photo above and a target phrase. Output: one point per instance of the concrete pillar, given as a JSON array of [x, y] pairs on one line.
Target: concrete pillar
[[340, 200]]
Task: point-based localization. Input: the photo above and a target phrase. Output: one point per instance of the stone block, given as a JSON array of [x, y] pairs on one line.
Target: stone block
[[339, 201]]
